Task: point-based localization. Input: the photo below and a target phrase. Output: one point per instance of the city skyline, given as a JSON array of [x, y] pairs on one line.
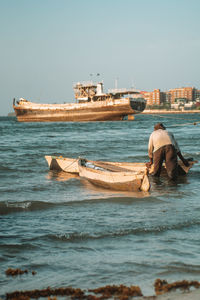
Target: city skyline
[[158, 97], [47, 46]]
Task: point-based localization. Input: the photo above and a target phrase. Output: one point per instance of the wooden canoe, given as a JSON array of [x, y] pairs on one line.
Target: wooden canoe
[[113, 177], [70, 165], [59, 163]]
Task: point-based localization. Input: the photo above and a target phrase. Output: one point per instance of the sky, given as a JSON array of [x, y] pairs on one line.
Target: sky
[[48, 45]]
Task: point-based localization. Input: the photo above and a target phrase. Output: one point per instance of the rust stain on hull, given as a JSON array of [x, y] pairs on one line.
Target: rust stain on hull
[[93, 105], [98, 112]]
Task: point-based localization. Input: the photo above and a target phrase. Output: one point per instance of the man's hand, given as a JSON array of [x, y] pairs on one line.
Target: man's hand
[[186, 163], [149, 164]]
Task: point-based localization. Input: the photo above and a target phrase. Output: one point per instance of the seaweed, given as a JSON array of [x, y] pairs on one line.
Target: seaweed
[[20, 295], [15, 272], [162, 286], [121, 292], [118, 292]]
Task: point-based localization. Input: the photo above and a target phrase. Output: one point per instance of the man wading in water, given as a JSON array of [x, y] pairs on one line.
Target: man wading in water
[[163, 147]]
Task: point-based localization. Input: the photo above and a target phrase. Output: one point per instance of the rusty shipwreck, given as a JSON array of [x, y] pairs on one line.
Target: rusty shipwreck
[[92, 104]]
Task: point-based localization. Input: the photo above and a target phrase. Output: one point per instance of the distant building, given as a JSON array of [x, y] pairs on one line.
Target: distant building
[[196, 95], [179, 98], [154, 98], [186, 93]]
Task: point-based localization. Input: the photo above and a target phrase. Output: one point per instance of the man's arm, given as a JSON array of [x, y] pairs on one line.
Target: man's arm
[[178, 151], [150, 151], [150, 147], [186, 163], [174, 142]]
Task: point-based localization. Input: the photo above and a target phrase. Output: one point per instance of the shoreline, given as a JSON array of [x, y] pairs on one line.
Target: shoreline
[[46, 293], [178, 290], [175, 295], [164, 111]]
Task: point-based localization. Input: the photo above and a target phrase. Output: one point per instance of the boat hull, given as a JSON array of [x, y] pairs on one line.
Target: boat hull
[[70, 165], [124, 180], [107, 110]]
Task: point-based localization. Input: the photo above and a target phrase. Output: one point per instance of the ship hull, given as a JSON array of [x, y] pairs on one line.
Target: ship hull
[[112, 110]]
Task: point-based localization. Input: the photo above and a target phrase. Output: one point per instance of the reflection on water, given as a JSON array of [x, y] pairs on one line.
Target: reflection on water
[[162, 184], [93, 189], [60, 176]]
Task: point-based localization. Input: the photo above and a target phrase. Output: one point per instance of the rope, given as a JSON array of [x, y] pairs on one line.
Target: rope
[[71, 164], [173, 125], [172, 117], [193, 123]]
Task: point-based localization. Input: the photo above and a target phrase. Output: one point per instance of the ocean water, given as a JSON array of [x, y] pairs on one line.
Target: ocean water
[[74, 234]]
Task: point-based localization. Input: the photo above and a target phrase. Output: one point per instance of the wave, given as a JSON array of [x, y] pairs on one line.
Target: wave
[[6, 168], [9, 207], [85, 236], [17, 169], [180, 268], [13, 207], [18, 247]]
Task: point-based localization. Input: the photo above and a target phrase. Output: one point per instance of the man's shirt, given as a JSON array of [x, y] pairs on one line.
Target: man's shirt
[[160, 138]]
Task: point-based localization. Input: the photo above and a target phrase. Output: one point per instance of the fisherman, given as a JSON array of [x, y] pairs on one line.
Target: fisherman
[[163, 147]]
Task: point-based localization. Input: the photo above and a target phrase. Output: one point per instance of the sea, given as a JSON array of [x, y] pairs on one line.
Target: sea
[[70, 233]]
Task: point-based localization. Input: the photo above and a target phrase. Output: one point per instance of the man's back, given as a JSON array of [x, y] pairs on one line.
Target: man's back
[[160, 138]]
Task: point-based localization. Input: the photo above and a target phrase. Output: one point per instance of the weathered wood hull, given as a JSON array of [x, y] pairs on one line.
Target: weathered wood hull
[[107, 110], [121, 180], [70, 165]]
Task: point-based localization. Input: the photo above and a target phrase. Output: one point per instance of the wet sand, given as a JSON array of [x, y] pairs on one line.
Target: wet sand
[[178, 290], [108, 292], [178, 295]]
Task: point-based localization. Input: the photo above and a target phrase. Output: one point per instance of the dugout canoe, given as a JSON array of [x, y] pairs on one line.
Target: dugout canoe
[[113, 177], [70, 165], [59, 163]]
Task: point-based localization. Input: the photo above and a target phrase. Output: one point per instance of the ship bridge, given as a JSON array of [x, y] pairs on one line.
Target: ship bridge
[[89, 91], [122, 92]]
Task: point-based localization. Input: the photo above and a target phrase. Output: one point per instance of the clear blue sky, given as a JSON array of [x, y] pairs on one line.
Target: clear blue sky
[[48, 45]]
